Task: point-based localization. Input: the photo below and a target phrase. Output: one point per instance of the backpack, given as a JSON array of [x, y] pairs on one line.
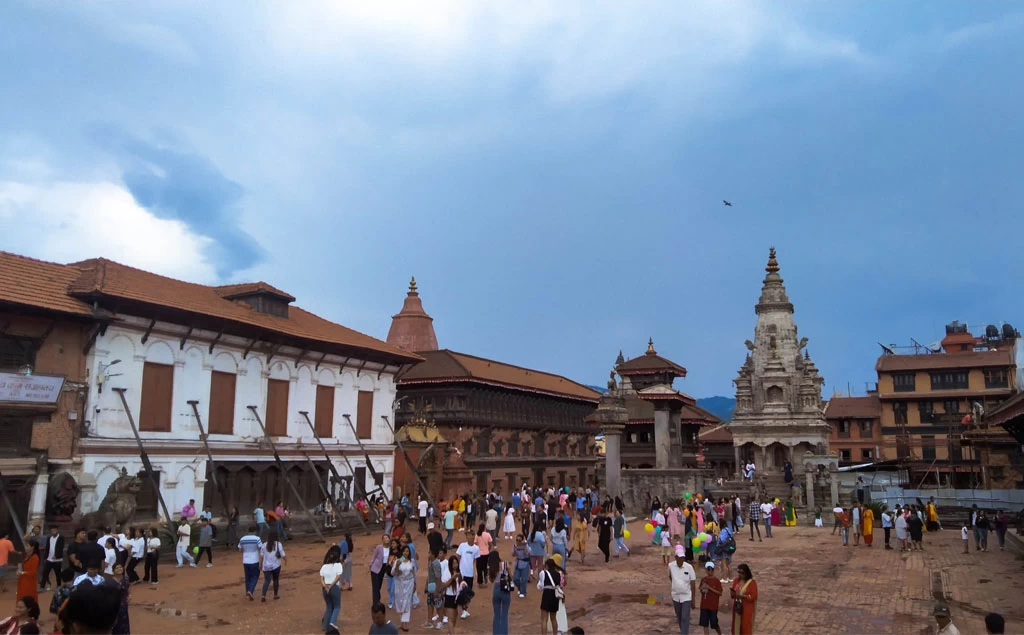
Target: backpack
[[729, 546], [505, 580]]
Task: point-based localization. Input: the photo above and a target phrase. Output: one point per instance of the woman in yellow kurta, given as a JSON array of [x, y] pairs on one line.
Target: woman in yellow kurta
[[580, 533], [868, 520], [931, 516], [790, 513]]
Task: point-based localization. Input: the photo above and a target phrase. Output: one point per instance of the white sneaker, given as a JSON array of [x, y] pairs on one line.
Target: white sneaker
[[193, 565], [179, 566], [464, 615], [209, 564], [521, 595]]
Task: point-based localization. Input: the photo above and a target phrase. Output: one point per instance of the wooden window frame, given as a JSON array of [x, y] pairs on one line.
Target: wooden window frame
[[215, 424], [904, 385], [277, 422], [364, 414], [323, 414], [156, 411]]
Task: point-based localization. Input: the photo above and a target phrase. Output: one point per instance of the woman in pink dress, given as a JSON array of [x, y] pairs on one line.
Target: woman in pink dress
[[675, 527], [700, 519], [776, 513]]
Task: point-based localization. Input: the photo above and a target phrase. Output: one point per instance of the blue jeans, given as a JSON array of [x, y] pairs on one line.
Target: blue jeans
[[500, 602], [268, 576], [264, 529], [561, 549], [682, 616], [448, 538], [252, 576], [391, 590], [767, 526], [332, 606], [620, 545], [521, 577], [279, 526]]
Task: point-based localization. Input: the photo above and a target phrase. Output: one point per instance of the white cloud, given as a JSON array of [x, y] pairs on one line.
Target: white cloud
[[984, 30], [69, 221]]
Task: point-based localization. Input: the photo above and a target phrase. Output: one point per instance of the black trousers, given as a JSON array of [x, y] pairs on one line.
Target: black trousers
[[886, 530], [376, 580], [150, 573], [130, 569], [44, 577], [423, 524], [603, 546], [209, 554], [753, 526]]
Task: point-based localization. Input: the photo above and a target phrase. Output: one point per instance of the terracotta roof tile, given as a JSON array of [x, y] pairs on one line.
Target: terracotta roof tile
[[943, 361], [446, 365], [853, 408], [28, 282], [102, 278], [251, 288]]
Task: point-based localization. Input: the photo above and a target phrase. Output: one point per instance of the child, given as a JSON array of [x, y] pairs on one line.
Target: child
[[965, 536], [817, 517], [710, 592], [63, 592], [666, 547]]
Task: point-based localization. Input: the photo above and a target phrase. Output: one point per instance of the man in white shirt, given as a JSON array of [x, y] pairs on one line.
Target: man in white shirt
[[683, 580], [837, 511], [766, 514], [468, 553], [184, 538], [423, 506], [856, 524], [943, 621], [491, 523]]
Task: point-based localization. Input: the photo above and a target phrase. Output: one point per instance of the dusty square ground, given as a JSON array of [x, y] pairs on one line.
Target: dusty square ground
[[809, 583]]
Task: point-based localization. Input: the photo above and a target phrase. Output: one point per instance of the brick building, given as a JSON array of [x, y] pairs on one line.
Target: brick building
[[928, 401], [856, 434], [475, 424], [44, 338]]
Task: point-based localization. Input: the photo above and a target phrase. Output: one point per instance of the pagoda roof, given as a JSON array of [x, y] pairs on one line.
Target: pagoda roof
[[650, 363]]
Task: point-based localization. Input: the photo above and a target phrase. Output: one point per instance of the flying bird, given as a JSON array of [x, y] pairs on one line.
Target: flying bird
[[727, 203]]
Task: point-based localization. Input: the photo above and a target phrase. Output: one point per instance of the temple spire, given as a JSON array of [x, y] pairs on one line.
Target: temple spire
[[411, 328], [412, 286], [650, 346], [773, 264]]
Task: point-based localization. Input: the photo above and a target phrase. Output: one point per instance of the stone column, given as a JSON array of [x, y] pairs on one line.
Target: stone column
[[835, 484], [763, 468], [739, 467], [612, 459], [809, 479], [37, 501], [662, 438]]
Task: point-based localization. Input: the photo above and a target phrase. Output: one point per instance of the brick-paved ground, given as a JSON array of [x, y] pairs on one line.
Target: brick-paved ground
[[808, 584]]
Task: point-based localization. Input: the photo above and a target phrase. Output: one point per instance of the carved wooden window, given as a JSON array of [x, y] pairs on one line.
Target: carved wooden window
[[364, 414], [513, 447], [323, 417], [277, 408]]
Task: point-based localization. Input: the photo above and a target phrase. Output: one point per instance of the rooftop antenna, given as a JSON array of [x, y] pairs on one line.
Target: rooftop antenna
[[887, 349]]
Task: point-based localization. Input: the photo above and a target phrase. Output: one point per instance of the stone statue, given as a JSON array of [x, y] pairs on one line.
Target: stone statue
[[762, 488], [749, 344], [802, 344], [612, 385], [118, 506], [61, 497]]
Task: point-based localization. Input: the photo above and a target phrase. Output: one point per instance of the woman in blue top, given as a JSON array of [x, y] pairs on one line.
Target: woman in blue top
[[346, 547], [538, 548], [560, 540]]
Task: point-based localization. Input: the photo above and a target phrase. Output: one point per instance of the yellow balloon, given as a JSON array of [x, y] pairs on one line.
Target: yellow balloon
[[626, 534], [648, 527]]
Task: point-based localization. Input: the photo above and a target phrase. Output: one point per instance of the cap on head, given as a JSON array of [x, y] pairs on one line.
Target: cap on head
[[709, 565], [941, 611], [557, 558], [680, 551]]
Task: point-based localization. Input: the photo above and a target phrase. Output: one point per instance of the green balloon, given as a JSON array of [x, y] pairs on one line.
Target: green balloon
[[195, 550]]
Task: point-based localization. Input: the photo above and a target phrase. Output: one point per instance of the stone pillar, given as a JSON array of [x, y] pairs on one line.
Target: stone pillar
[[37, 502], [835, 484], [763, 468], [662, 437], [739, 466], [612, 459], [809, 479]]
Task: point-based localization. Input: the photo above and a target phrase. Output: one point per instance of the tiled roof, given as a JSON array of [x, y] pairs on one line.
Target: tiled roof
[[27, 282], [640, 411], [853, 408], [649, 363], [251, 288], [944, 361], [446, 365], [717, 434], [71, 289]]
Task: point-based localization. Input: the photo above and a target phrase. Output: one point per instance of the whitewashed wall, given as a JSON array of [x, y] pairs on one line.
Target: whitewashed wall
[[192, 372]]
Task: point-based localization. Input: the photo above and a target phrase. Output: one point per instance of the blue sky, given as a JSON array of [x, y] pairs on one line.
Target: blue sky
[[551, 173]]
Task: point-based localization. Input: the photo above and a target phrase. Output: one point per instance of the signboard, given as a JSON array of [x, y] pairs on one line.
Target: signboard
[[39, 389]]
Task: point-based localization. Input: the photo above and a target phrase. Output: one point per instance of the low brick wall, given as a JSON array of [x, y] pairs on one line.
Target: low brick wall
[[639, 487]]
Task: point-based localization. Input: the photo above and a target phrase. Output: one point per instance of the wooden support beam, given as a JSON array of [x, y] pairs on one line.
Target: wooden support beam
[[273, 351], [184, 338], [382, 369], [91, 338], [344, 363], [47, 332], [320, 361], [301, 355], [215, 340], [149, 329], [248, 347], [360, 369]]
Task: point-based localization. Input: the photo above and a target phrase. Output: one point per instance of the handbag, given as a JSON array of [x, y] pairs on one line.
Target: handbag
[[737, 603]]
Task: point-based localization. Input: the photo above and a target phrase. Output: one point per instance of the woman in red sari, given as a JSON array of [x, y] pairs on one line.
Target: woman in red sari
[[28, 576], [744, 597]]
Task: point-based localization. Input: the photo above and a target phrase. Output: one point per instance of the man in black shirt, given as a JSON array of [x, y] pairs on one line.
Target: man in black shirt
[[74, 559], [90, 553], [434, 539], [604, 532]]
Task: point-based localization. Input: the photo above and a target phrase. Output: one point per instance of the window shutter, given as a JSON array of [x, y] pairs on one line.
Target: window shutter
[[157, 397], [277, 407], [324, 416], [222, 403], [364, 414]]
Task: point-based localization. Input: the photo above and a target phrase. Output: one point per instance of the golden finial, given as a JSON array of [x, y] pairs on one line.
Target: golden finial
[[650, 346], [412, 285], [773, 264]]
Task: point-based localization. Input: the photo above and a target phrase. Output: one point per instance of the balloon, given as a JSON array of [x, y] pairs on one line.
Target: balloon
[[648, 527], [686, 495], [625, 534], [686, 513], [195, 550], [704, 536], [695, 542]]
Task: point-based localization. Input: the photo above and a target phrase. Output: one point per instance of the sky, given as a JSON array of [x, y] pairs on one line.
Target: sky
[[551, 172]]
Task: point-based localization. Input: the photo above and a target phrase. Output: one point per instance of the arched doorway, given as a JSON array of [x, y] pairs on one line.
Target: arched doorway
[[777, 455]]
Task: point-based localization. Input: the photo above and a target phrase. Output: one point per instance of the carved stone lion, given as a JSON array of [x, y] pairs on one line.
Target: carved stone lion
[[61, 497], [118, 506]]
